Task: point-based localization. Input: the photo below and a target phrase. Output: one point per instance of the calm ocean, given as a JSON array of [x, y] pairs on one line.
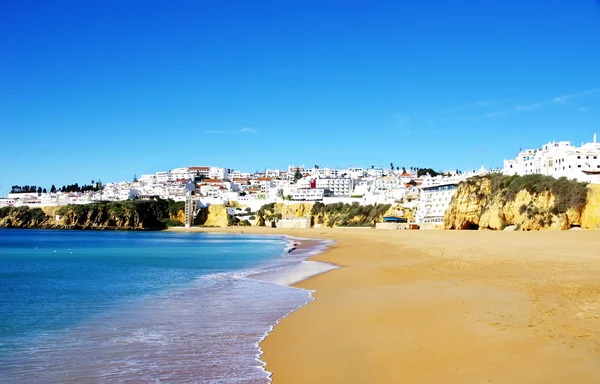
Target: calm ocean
[[94, 307]]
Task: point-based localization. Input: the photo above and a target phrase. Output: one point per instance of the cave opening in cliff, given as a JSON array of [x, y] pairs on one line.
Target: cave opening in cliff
[[470, 225]]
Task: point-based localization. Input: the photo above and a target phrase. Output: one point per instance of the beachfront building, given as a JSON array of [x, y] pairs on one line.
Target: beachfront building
[[436, 194], [558, 159]]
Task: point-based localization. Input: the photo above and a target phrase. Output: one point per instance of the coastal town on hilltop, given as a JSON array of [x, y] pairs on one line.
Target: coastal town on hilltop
[[427, 192]]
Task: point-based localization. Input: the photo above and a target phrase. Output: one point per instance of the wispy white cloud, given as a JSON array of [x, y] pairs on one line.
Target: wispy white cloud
[[583, 109], [529, 107], [563, 99], [247, 130], [495, 114], [241, 130]]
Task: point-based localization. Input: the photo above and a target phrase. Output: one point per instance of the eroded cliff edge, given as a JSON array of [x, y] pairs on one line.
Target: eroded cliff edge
[[128, 215], [531, 202]]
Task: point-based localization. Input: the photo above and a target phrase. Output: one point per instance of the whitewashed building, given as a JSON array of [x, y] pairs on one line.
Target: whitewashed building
[[338, 187], [558, 159], [308, 194], [148, 179], [219, 173], [436, 194]]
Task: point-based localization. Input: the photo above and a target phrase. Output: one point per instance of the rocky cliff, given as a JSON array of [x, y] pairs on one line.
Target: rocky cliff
[[328, 215], [129, 215], [214, 216], [590, 217], [531, 202]]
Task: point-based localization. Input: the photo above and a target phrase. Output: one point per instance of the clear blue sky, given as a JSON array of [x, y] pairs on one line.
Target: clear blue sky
[[108, 89]]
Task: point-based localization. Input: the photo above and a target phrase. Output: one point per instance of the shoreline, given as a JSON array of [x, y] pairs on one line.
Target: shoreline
[[445, 306], [289, 275], [306, 247]]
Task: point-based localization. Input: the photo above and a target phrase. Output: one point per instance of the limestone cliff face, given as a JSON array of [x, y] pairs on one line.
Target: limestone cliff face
[[142, 215], [327, 215], [214, 216], [394, 210], [590, 217], [477, 206], [179, 216], [294, 210]]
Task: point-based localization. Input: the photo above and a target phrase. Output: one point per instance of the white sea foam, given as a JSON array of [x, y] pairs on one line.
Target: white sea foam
[[208, 332]]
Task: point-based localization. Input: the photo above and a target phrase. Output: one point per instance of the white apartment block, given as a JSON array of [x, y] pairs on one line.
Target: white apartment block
[[434, 201], [264, 183], [375, 173], [308, 194], [355, 172], [183, 173], [148, 179], [337, 187], [273, 173], [558, 159], [389, 183], [162, 177], [327, 173], [239, 175], [219, 173], [436, 194], [201, 171]]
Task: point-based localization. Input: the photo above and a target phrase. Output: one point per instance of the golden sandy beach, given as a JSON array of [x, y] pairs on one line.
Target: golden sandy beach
[[445, 307]]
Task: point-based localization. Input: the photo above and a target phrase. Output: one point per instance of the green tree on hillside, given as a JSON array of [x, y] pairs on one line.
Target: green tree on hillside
[[297, 175]]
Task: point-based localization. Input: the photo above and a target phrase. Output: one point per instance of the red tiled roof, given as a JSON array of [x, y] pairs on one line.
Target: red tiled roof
[[199, 168]]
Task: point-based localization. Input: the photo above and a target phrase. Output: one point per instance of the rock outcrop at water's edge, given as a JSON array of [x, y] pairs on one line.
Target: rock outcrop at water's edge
[[531, 202], [127, 215]]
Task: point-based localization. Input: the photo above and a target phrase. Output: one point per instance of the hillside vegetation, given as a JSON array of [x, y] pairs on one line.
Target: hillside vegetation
[[141, 214], [330, 215], [529, 202]]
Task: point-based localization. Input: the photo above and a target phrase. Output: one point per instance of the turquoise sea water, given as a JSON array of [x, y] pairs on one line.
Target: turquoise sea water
[[82, 306]]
